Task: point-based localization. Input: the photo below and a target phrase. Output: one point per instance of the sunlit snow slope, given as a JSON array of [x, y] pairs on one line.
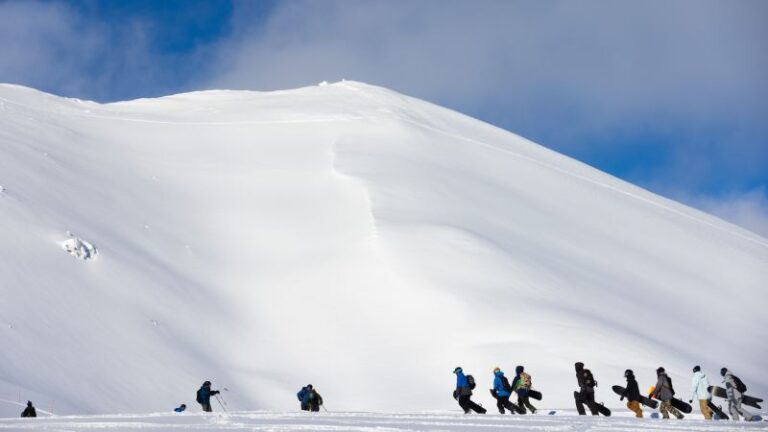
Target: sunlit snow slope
[[347, 236]]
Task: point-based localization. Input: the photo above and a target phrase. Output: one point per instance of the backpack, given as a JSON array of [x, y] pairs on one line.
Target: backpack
[[739, 384], [200, 396], [526, 380], [671, 389], [505, 384], [471, 382], [589, 380]]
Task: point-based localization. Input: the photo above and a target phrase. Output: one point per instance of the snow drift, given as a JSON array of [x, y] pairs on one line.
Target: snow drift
[[347, 236]]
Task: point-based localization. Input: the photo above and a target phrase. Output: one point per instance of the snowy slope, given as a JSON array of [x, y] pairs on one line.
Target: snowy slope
[[364, 422], [347, 236]]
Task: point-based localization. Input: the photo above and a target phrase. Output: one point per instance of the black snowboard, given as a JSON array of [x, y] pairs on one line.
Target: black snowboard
[[681, 406], [534, 394], [602, 409], [746, 399], [718, 411], [650, 403], [517, 410]]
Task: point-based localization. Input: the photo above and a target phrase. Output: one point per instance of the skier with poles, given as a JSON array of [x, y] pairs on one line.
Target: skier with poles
[[204, 396]]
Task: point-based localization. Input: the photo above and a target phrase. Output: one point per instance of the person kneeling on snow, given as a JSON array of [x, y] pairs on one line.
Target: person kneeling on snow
[[181, 408], [204, 396], [29, 411]]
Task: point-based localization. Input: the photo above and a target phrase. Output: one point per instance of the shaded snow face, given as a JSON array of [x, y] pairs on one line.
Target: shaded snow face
[[349, 237]]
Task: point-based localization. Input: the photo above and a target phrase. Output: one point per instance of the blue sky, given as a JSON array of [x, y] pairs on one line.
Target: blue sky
[[672, 96]]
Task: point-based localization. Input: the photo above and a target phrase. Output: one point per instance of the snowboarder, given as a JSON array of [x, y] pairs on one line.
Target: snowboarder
[[29, 411], [181, 408], [699, 390], [522, 385], [586, 393], [463, 392], [310, 399], [502, 391], [632, 393], [735, 389], [204, 396], [665, 392]]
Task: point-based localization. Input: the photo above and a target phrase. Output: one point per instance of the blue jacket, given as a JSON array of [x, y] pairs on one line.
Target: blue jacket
[[498, 386], [461, 380], [205, 393], [304, 395]]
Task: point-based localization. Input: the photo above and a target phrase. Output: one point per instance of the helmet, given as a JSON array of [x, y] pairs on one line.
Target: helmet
[[723, 371], [697, 368], [579, 366], [660, 370], [519, 370], [207, 383], [628, 373], [457, 370], [496, 369]]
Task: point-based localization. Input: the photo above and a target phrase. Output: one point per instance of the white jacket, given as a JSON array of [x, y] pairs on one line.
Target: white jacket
[[699, 386]]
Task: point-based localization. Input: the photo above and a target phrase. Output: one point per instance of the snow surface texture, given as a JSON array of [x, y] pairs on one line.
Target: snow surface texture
[[427, 421], [346, 236]]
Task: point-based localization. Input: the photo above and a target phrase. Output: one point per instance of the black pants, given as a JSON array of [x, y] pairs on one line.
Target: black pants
[[466, 404], [206, 406], [586, 397], [503, 402], [523, 401]]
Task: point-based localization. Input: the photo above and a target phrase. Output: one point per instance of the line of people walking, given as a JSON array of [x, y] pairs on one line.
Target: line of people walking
[[502, 390]]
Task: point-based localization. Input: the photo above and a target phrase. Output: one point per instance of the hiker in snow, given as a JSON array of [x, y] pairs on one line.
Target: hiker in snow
[[734, 389], [310, 399], [463, 392], [632, 393], [700, 391], [502, 391], [29, 411], [665, 392], [586, 393], [180, 409], [522, 385], [204, 396]]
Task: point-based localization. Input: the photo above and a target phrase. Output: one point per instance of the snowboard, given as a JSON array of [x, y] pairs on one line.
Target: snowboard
[[650, 403], [721, 415], [681, 406], [746, 399], [534, 394], [602, 409], [517, 410]]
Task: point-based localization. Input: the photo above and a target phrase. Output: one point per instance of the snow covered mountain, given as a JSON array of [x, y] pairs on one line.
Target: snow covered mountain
[[343, 235]]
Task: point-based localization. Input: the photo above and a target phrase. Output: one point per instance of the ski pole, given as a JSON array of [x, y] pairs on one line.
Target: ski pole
[[324, 408], [218, 399], [222, 399]]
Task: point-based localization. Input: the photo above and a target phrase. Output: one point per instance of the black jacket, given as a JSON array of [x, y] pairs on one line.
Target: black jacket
[[29, 411], [632, 392], [585, 379]]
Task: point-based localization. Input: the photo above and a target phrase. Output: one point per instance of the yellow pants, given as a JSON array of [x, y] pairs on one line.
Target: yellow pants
[[635, 406], [705, 410]]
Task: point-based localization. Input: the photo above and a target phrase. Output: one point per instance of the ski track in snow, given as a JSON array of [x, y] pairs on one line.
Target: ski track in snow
[[429, 421]]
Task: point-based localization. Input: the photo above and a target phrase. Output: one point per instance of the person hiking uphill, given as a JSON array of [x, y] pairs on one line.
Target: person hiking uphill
[[522, 385], [310, 399], [700, 391], [502, 391], [586, 394], [632, 393], [665, 392], [735, 389], [463, 392], [204, 396], [29, 411]]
